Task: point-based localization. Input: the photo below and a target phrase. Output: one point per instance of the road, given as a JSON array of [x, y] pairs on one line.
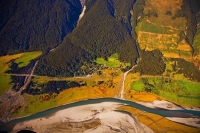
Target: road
[[123, 82]]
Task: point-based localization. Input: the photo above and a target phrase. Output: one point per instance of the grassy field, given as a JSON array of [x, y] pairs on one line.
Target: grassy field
[[190, 87], [158, 123], [36, 104], [25, 59], [112, 61], [5, 83], [180, 91], [137, 85]]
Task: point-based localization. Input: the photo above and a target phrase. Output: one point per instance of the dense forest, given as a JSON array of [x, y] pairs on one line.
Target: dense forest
[[50, 87], [103, 30], [151, 63], [28, 25]]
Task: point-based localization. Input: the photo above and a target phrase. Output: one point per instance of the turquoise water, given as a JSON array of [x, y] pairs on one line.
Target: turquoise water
[[162, 112]]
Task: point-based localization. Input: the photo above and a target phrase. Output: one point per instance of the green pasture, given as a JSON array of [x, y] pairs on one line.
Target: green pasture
[[180, 91], [137, 85], [35, 105], [112, 61], [25, 59], [5, 83]]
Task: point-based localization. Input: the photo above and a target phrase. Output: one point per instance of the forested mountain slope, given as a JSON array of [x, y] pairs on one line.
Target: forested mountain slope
[[103, 30], [28, 25]]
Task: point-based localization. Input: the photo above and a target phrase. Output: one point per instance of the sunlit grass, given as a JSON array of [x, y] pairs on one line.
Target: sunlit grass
[[25, 59], [4, 61], [112, 61], [35, 104], [137, 85], [190, 87], [179, 91], [5, 83]]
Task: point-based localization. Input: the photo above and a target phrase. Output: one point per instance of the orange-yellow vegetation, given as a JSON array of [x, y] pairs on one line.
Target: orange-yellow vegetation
[[158, 123], [141, 96], [163, 34], [161, 7], [82, 93], [5, 59]]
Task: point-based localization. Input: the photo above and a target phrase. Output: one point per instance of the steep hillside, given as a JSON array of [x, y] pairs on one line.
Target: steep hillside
[[167, 26], [103, 30], [35, 25]]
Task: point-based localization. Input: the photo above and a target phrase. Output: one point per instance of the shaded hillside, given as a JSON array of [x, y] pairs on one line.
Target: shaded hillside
[[35, 25], [103, 30]]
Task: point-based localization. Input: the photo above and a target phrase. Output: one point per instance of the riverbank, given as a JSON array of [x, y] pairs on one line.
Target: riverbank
[[102, 112]]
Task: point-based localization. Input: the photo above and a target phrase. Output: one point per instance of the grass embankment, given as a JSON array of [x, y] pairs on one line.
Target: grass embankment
[[22, 59], [158, 123]]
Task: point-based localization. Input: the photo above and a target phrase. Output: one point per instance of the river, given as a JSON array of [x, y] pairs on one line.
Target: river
[[165, 113]]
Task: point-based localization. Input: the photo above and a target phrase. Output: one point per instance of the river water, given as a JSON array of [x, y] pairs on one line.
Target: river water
[[165, 113]]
